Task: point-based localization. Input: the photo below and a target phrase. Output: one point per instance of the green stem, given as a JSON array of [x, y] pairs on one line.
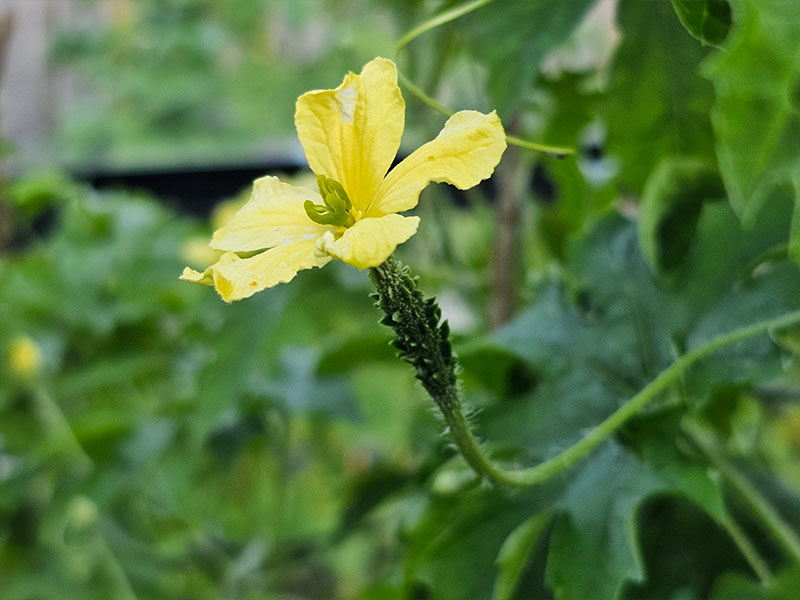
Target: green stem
[[748, 550], [119, 577], [556, 151], [423, 341], [571, 455], [58, 428], [439, 20], [412, 87], [755, 500], [442, 19]]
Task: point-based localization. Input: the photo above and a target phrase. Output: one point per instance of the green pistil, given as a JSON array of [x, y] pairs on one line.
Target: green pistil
[[336, 207]]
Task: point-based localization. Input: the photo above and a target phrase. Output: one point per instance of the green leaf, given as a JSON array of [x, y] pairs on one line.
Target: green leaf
[[657, 105], [300, 390], [599, 340], [568, 192], [707, 20], [455, 539], [794, 233], [236, 355], [36, 192], [684, 551], [369, 490], [654, 438], [452, 545], [348, 352], [772, 291], [511, 38], [722, 255], [515, 553], [670, 208], [735, 586], [756, 115], [595, 546], [496, 368], [593, 549]]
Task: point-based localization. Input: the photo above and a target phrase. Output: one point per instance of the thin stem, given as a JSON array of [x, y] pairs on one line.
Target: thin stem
[[440, 19], [469, 447], [123, 585], [571, 455], [748, 550], [412, 87], [555, 151], [755, 500], [512, 175], [58, 427]]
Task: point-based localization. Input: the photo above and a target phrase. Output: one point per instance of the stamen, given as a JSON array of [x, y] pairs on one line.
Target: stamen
[[337, 205]]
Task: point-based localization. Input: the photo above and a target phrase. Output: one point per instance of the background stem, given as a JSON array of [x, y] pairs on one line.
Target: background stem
[[507, 245], [748, 550], [760, 506]]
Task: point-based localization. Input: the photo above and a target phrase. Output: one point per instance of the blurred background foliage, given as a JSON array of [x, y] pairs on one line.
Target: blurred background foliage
[[193, 80], [157, 443]]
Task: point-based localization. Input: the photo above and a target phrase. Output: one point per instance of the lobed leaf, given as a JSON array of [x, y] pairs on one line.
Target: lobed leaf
[[707, 20], [756, 115]]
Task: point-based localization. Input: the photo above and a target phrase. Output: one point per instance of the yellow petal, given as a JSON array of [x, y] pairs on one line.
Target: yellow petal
[[351, 134], [464, 153], [274, 215], [237, 278], [192, 276], [370, 241]]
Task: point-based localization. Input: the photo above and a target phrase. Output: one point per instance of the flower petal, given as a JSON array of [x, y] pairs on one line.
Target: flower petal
[[464, 153], [192, 276], [236, 278], [351, 134], [370, 241], [274, 215]]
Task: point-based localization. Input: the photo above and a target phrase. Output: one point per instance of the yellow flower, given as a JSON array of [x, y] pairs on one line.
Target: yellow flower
[[350, 136]]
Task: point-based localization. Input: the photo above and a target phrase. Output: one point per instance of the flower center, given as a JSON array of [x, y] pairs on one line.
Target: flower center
[[336, 207]]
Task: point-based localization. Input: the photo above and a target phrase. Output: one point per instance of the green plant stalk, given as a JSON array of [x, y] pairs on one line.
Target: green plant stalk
[[748, 550], [422, 339], [124, 589], [755, 500], [58, 427], [439, 20], [443, 19], [430, 102], [556, 151]]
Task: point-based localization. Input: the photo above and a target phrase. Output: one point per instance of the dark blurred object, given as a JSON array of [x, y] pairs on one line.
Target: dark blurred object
[[189, 189]]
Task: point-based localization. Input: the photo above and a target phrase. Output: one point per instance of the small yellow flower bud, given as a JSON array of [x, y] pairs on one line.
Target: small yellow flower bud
[[24, 357]]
